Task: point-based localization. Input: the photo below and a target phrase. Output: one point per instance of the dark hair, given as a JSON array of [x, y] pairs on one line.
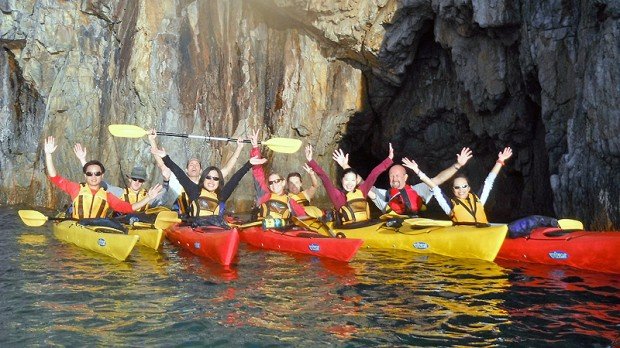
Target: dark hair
[[347, 171], [206, 172], [293, 175], [460, 176], [93, 162]]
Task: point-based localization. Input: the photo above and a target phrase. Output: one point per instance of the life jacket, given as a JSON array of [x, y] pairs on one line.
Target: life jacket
[[132, 197], [87, 205], [275, 207], [300, 198], [405, 201], [183, 202], [468, 210], [356, 209], [206, 204]]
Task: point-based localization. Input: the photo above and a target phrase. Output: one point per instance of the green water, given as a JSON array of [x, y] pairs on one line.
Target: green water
[[57, 294]]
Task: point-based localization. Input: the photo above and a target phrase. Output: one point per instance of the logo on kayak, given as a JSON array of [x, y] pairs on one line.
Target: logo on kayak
[[314, 247], [558, 255], [197, 245], [101, 242], [420, 245]]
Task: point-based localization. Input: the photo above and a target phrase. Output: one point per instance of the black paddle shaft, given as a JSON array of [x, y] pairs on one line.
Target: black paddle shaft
[[179, 135]]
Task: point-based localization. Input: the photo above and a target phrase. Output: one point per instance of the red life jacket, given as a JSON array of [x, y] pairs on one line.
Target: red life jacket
[[405, 201]]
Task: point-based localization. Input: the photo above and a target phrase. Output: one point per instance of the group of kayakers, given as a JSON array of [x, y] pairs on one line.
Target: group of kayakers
[[199, 193]]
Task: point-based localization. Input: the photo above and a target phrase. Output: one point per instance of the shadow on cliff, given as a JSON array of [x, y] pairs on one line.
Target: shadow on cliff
[[428, 115]]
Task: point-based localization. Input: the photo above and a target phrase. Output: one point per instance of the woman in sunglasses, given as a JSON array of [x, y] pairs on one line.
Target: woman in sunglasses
[[351, 204], [465, 207], [90, 200], [209, 195], [273, 200]]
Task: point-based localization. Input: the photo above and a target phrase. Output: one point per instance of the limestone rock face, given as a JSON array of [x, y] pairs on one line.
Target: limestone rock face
[[430, 76]]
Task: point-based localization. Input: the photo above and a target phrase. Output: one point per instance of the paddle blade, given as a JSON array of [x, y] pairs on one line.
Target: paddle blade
[[32, 218], [156, 210], [423, 222], [284, 145], [570, 224], [126, 131], [166, 219], [313, 211]]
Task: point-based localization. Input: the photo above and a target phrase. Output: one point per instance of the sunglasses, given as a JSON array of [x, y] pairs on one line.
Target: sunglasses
[[91, 173], [214, 178], [461, 187], [276, 181], [138, 180]]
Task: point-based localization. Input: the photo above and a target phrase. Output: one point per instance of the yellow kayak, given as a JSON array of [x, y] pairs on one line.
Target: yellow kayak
[[453, 241], [150, 236], [98, 239]]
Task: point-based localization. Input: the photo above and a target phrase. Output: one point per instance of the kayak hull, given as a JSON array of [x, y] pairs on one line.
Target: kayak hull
[[595, 251], [150, 237], [301, 241], [214, 243], [98, 239], [452, 241]]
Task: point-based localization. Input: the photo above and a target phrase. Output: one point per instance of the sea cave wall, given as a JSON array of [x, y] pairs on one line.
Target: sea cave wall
[[430, 77]]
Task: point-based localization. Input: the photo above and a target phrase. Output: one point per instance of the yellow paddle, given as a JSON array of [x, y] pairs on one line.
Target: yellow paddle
[[314, 224], [35, 219], [284, 145], [423, 222], [156, 210], [570, 224], [166, 219]]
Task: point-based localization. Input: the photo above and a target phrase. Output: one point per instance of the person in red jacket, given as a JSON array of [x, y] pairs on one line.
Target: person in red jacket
[[90, 200]]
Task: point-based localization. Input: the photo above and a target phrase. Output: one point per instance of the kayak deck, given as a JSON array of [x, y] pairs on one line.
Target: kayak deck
[[98, 239], [214, 243], [301, 241]]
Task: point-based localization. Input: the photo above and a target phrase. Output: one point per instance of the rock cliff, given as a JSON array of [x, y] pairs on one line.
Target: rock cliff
[[430, 76]]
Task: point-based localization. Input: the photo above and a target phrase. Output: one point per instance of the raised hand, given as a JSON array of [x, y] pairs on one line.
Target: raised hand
[[505, 154], [411, 165], [161, 153], [308, 153], [465, 155], [308, 169], [80, 152], [50, 145], [341, 158], [152, 135], [254, 137], [154, 191], [391, 152], [257, 161]]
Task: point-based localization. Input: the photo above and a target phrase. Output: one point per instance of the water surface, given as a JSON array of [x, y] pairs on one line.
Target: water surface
[[57, 294]]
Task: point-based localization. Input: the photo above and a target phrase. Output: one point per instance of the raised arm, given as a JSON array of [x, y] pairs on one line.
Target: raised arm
[[227, 169], [311, 191], [338, 198], [151, 195], [80, 153], [374, 174], [461, 160], [501, 158], [49, 148], [343, 161], [158, 159], [232, 184], [439, 195]]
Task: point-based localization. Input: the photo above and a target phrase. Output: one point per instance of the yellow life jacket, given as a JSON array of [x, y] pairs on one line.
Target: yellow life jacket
[[89, 205], [206, 204], [468, 210], [300, 198], [183, 202], [356, 209], [275, 207], [132, 197]]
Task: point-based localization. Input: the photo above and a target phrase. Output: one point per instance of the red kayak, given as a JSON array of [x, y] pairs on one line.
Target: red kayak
[[596, 251], [301, 241], [215, 243]]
